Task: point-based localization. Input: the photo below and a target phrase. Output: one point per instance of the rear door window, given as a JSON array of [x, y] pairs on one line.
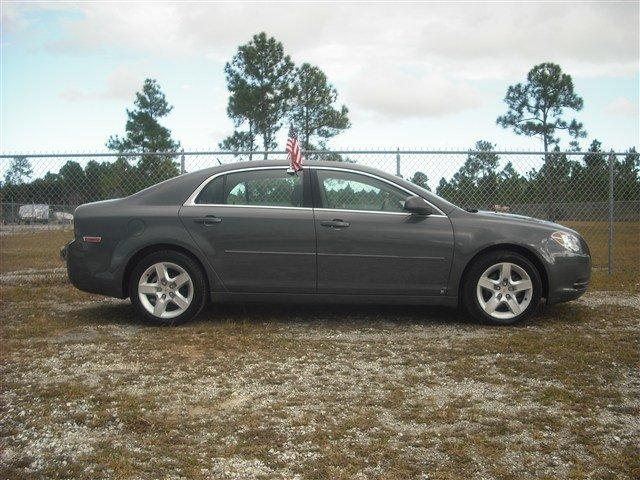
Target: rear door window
[[273, 188]]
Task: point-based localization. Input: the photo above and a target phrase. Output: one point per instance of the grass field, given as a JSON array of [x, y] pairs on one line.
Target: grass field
[[626, 254], [32, 250]]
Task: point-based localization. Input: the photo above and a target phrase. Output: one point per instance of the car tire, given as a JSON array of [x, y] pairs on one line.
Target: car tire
[[501, 288], [167, 288]]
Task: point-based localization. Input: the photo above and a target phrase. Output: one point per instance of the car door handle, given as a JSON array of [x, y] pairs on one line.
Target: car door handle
[[208, 221], [335, 223]]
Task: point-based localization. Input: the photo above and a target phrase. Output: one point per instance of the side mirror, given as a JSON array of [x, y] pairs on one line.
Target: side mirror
[[417, 206]]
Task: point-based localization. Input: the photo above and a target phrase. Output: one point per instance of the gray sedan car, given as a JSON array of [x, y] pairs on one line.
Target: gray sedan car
[[333, 232]]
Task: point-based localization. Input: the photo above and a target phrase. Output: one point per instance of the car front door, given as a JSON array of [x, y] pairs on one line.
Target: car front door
[[256, 228], [367, 244]]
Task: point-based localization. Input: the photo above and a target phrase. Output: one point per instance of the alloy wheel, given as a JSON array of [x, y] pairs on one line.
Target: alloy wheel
[[165, 290], [504, 290]]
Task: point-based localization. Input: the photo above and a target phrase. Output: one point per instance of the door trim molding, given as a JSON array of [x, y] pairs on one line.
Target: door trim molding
[[267, 252], [378, 256], [280, 207]]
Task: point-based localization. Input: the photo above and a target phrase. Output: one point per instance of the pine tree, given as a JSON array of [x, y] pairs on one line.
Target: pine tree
[[145, 134], [259, 78], [536, 108], [312, 111], [18, 172]]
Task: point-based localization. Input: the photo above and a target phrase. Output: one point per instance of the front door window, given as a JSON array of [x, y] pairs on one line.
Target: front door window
[[351, 191]]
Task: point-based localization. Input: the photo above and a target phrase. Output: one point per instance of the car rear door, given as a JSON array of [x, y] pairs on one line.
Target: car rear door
[[256, 228], [368, 245]]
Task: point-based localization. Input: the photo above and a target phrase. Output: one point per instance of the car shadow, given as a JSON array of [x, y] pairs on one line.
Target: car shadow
[[122, 313], [333, 314], [109, 313]]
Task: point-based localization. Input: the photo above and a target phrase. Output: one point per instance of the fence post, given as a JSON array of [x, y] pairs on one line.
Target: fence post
[[611, 205], [398, 163], [182, 162]]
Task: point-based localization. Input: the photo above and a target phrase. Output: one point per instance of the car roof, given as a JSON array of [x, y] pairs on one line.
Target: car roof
[[176, 190], [285, 163]]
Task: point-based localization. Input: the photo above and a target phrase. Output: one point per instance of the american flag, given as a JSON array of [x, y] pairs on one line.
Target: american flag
[[293, 150]]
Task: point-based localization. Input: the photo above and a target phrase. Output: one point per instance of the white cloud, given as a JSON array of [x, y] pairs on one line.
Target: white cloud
[[73, 95], [121, 84], [14, 18], [589, 32], [622, 106], [401, 95]]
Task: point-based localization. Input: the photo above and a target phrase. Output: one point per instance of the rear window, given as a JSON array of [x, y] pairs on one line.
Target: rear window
[[212, 193], [254, 187]]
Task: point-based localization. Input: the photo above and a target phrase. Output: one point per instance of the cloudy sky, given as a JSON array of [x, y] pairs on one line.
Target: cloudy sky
[[414, 75]]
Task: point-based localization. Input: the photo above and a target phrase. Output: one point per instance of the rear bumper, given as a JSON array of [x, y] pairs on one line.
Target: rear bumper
[[81, 275], [568, 277]]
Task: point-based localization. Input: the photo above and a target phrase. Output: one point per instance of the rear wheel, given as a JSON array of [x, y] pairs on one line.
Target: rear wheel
[[502, 288], [167, 288]]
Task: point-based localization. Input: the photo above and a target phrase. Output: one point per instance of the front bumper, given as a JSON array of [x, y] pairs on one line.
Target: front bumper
[[568, 277]]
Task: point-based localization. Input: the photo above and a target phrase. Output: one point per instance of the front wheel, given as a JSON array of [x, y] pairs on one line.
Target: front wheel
[[502, 288], [167, 288]]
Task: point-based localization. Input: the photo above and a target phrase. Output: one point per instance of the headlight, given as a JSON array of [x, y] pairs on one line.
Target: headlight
[[567, 240]]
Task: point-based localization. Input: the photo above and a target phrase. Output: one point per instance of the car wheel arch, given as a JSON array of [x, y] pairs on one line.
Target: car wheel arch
[[143, 252], [522, 250]]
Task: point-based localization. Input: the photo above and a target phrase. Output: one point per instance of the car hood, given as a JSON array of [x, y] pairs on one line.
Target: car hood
[[523, 219]]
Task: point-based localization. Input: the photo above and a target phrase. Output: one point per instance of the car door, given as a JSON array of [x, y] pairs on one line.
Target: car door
[[256, 228], [367, 244]]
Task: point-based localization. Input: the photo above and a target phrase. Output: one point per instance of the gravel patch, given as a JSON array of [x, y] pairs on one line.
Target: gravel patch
[[13, 229], [31, 275], [601, 298]]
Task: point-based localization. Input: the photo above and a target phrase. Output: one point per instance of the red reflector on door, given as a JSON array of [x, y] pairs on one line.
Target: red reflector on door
[[92, 239]]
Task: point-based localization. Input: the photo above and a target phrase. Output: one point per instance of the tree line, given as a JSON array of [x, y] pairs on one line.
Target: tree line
[[482, 183]]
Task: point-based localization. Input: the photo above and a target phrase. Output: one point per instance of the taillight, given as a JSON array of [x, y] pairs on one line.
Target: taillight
[[92, 239]]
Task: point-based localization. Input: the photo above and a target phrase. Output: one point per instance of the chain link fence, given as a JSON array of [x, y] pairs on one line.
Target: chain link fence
[[595, 193]]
